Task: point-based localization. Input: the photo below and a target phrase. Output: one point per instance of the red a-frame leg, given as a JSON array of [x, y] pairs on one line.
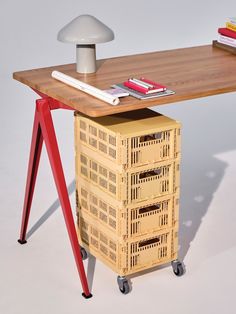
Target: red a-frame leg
[[35, 152], [43, 130]]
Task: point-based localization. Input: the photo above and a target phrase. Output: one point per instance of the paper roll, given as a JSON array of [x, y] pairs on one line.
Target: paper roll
[[91, 90]]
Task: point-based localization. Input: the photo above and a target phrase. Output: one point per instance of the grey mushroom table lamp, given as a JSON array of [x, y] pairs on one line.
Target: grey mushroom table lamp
[[85, 31]]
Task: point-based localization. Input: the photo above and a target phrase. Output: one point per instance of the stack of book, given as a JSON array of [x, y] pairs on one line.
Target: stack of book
[[143, 88], [227, 35]]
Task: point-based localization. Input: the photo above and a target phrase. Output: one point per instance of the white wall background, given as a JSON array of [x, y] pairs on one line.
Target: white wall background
[[40, 277]]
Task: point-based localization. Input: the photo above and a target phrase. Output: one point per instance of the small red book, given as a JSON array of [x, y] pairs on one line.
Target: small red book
[[135, 87], [145, 90], [227, 32], [156, 86]]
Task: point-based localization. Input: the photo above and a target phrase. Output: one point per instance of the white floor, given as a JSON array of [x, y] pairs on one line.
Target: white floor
[[41, 277]]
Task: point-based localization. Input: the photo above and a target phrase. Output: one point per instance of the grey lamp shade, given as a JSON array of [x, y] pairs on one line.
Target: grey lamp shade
[[85, 31]]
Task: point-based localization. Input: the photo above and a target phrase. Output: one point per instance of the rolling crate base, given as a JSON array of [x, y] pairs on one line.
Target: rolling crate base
[[129, 256], [124, 282]]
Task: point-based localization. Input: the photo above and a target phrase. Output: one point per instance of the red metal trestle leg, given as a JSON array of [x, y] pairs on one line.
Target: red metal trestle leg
[[35, 152], [43, 129]]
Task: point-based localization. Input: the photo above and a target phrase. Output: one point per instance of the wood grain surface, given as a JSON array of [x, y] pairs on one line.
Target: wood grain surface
[[191, 72]]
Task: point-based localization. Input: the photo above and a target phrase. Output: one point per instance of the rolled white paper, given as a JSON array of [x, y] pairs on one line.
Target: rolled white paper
[[91, 90]]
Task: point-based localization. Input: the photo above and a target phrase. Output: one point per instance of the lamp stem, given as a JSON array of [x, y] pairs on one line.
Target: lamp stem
[[85, 58]]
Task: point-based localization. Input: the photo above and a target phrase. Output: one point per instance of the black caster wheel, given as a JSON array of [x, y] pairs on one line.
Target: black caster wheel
[[123, 284], [83, 253], [178, 268]]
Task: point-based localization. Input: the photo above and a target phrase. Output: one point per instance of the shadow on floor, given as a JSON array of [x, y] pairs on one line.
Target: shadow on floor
[[200, 180], [207, 130], [91, 270], [49, 212]]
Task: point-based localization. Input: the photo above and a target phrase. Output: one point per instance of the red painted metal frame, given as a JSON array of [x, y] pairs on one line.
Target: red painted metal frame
[[43, 129]]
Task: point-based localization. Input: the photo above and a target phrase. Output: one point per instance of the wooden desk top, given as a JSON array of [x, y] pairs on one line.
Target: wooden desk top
[[191, 72]]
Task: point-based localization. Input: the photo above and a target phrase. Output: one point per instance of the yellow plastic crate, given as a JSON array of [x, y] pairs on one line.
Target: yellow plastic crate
[[131, 185], [126, 221], [130, 139], [132, 255]]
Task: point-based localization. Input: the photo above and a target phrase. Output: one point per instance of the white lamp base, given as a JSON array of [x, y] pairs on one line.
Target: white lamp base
[[86, 58]]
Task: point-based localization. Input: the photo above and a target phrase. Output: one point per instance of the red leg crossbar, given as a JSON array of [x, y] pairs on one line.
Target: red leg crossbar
[[43, 129]]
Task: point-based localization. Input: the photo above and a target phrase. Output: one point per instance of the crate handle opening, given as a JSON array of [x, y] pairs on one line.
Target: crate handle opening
[[150, 137], [148, 242], [151, 173], [149, 208]]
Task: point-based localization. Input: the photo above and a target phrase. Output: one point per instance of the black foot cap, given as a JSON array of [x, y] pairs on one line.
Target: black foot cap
[[22, 241], [87, 296]]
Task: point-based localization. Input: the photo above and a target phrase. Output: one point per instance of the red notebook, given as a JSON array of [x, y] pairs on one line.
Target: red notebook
[[227, 32], [155, 89], [135, 87]]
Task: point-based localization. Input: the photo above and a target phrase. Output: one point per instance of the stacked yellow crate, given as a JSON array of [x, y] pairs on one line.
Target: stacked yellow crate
[[127, 187]]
